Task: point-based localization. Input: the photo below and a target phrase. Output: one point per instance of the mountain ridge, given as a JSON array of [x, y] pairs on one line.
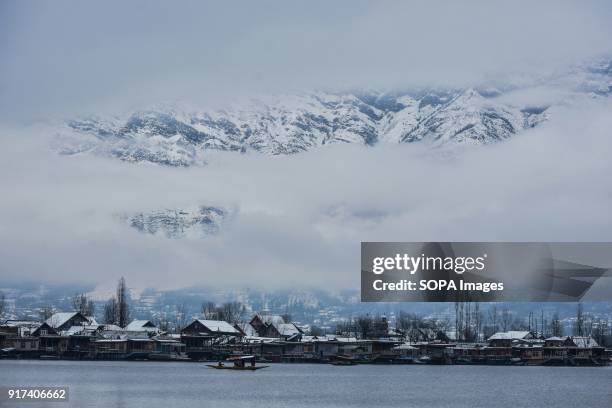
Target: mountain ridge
[[177, 135]]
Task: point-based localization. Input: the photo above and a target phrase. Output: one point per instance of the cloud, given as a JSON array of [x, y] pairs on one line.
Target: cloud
[[298, 219], [61, 57]]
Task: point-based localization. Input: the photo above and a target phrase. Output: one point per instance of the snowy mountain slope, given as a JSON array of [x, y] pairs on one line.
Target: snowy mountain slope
[[180, 136], [173, 223]]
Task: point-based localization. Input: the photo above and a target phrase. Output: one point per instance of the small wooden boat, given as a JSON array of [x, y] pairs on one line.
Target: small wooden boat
[[232, 367], [245, 363]]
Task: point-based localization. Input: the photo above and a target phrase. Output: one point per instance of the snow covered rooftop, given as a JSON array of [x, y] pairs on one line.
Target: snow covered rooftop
[[22, 323], [59, 319], [218, 326], [287, 329], [140, 325], [247, 329], [584, 342], [272, 319], [80, 330], [111, 327], [510, 335]]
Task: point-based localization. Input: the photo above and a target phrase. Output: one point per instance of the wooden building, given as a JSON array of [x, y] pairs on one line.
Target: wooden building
[[207, 339]]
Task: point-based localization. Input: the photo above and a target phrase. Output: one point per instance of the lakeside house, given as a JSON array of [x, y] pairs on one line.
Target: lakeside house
[[206, 339], [141, 326], [273, 338], [275, 326]]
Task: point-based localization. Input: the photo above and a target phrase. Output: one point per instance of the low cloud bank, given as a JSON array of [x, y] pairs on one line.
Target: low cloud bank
[[298, 220]]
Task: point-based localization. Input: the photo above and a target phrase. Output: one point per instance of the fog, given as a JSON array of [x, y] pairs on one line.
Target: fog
[[298, 220], [62, 57]]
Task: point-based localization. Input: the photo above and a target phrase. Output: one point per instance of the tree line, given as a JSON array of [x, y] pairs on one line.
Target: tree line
[[472, 323]]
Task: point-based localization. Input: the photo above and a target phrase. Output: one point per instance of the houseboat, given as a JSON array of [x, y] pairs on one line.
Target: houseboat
[[246, 363]]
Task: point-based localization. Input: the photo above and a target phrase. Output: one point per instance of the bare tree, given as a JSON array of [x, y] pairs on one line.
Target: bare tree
[[235, 311], [181, 317], [365, 325], [467, 317], [492, 313], [2, 305], [209, 311], [81, 303], [598, 332], [555, 325], [478, 318], [459, 319], [407, 321], [232, 312], [347, 327], [110, 311], [117, 309], [45, 312], [163, 324], [161, 321], [492, 321], [506, 319], [579, 324], [123, 308]]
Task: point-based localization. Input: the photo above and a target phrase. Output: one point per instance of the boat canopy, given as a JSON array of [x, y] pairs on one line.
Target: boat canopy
[[240, 358]]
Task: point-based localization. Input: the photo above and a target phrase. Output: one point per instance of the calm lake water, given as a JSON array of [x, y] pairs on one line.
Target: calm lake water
[[165, 384]]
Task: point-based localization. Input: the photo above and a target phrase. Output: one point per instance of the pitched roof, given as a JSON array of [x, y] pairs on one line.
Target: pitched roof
[[218, 326], [556, 338], [80, 330], [247, 329], [272, 319], [584, 342], [140, 325], [510, 335], [59, 319], [287, 329]]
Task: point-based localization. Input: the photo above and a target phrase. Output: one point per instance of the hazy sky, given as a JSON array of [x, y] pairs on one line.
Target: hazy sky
[[296, 220], [57, 57]]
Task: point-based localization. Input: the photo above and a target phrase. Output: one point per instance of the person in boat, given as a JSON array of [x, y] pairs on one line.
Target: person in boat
[[220, 364]]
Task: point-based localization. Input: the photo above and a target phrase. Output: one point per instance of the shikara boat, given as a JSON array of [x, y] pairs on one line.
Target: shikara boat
[[245, 363]]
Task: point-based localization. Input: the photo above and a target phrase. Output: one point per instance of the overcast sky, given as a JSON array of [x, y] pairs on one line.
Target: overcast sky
[[297, 220], [57, 57]]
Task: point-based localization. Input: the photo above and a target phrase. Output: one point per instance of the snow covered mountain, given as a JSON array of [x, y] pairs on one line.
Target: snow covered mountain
[[175, 223], [180, 136]]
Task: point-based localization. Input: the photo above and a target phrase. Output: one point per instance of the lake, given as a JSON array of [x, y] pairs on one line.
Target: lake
[[172, 384]]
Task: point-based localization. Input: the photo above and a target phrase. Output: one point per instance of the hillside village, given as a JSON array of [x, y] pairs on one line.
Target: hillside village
[[274, 338]]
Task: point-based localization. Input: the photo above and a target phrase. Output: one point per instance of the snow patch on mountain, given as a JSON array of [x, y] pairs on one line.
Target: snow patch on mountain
[[179, 223], [180, 135]]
